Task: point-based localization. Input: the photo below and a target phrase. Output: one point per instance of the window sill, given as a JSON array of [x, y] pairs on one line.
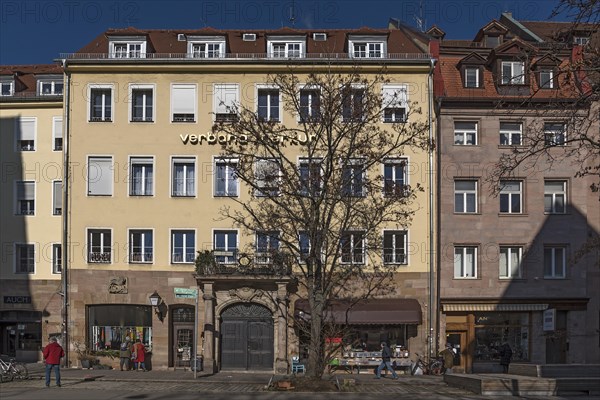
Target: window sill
[[557, 278], [192, 196], [469, 278], [514, 215], [466, 213], [501, 279], [509, 146]]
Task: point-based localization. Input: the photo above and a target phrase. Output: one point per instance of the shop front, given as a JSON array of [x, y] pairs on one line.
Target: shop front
[[21, 334], [112, 324]]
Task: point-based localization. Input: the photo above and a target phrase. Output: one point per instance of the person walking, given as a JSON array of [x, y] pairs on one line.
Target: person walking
[[125, 355], [386, 358], [448, 356], [139, 356], [505, 356], [52, 353]]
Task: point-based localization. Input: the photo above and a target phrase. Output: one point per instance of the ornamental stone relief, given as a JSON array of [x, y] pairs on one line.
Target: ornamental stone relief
[[118, 285]]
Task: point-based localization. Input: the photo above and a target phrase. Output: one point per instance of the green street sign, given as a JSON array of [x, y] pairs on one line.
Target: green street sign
[[185, 293]]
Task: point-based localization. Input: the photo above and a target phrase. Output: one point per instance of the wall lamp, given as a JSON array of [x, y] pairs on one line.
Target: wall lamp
[[160, 308]]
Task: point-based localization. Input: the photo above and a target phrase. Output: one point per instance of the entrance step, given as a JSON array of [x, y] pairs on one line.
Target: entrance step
[[503, 384]]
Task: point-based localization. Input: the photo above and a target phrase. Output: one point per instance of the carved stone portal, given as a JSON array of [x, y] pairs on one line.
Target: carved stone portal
[[245, 293], [118, 285]]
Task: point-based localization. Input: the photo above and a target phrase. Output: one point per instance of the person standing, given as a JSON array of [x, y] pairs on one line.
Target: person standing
[[505, 356], [448, 356], [52, 353], [386, 358], [139, 356], [125, 354]]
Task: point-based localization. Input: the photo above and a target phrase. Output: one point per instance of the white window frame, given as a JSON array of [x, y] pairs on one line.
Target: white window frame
[[57, 133], [313, 114], [269, 88], [552, 195], [289, 44], [462, 134], [32, 258], [130, 43], [190, 109], [348, 106], [547, 83], [554, 136], [550, 260], [272, 246], [581, 40], [25, 124], [209, 43], [355, 167], [184, 160], [228, 253], [230, 177], [105, 106], [104, 257], [25, 187], [53, 86], [56, 198], [510, 271], [509, 195], [267, 189], [467, 81], [465, 271], [57, 258], [516, 77], [508, 133], [399, 184], [226, 100], [142, 87], [398, 254], [145, 256], [465, 194], [185, 252], [307, 186], [358, 246], [11, 87], [361, 46], [97, 180], [394, 97], [143, 161]]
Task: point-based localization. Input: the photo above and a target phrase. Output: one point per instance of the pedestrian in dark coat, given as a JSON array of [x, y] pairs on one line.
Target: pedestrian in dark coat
[[505, 356], [52, 353], [386, 358]]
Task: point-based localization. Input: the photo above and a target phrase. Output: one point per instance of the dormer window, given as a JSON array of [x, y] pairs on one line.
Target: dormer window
[[546, 79], [206, 47], [471, 77], [367, 47], [50, 87], [127, 48], [492, 41], [513, 73], [7, 87], [286, 47]]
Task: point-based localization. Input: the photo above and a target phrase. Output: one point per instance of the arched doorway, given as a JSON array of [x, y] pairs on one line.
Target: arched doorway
[[247, 337], [181, 335]]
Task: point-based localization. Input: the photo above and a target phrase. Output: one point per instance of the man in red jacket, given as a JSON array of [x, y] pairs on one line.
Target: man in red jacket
[[53, 352]]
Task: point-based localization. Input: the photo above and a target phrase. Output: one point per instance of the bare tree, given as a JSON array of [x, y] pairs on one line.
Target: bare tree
[[315, 186]]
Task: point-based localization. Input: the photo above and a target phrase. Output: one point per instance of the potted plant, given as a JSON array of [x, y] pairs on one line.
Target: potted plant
[[205, 262], [85, 356]]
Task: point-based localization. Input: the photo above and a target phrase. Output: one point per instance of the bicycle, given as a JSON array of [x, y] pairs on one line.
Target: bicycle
[[431, 367], [13, 370]]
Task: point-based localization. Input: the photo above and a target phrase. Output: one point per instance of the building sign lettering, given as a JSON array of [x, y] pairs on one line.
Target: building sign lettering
[[223, 139], [17, 299]]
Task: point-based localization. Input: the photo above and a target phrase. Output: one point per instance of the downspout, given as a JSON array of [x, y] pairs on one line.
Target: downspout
[[432, 302], [65, 214]]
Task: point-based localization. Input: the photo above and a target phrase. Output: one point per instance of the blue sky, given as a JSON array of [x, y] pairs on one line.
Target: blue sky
[[38, 31]]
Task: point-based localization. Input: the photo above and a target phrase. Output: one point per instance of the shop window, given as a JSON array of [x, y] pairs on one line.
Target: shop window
[[492, 330], [110, 325]]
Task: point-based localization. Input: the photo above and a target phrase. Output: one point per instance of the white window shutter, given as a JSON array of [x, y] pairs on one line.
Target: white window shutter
[[100, 176], [26, 129], [226, 98], [184, 99]]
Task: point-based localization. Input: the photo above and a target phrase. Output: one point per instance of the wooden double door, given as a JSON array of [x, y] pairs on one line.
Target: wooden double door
[[247, 338]]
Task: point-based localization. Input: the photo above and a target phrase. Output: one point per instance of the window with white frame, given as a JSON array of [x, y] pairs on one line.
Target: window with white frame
[[555, 196], [555, 134], [24, 258], [183, 174], [25, 204], [471, 77], [310, 104], [57, 133], [555, 262], [353, 247], [99, 246], [267, 245], [510, 261], [285, 49], [56, 258], [511, 133], [268, 177], [353, 104], [50, 87], [511, 197], [581, 40], [268, 104], [395, 244], [127, 48], [25, 130], [310, 171], [141, 182], [465, 262], [546, 79], [183, 246], [208, 49], [140, 246], [395, 177], [226, 180], [100, 176], [353, 174], [142, 103], [7, 88], [367, 47], [225, 246], [101, 104], [57, 198], [513, 72], [226, 99], [183, 102], [465, 133], [465, 196], [304, 245], [395, 103]]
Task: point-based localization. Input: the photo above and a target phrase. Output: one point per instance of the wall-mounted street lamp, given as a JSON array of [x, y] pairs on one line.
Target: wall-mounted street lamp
[[160, 308]]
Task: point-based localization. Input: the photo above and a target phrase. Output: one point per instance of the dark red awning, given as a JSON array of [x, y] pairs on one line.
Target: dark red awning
[[372, 311]]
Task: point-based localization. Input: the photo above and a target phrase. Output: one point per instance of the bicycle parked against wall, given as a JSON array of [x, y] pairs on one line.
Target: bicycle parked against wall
[[431, 367], [13, 370]]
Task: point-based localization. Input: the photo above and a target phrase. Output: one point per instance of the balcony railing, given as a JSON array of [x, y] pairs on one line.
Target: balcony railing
[[237, 263], [101, 258]]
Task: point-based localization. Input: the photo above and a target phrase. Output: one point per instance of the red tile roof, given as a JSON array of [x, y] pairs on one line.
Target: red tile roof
[[26, 75]]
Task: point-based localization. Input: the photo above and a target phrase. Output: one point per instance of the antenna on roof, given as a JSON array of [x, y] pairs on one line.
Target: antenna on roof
[[292, 13], [419, 19]]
